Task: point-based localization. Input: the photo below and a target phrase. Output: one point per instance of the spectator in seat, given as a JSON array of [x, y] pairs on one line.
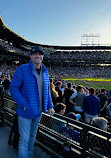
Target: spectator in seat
[[60, 108], [69, 130], [100, 122], [57, 124], [98, 143]]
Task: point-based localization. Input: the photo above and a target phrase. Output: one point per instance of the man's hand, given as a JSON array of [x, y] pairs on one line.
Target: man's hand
[[51, 111]]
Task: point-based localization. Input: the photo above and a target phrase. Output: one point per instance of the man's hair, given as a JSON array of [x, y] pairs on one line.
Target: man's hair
[[59, 107], [99, 122], [102, 90], [69, 85], [58, 83], [79, 87], [91, 90]]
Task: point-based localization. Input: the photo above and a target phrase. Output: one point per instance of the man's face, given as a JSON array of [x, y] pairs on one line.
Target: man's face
[[37, 58]]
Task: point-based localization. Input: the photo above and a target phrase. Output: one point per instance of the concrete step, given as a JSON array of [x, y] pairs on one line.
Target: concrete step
[[7, 151]]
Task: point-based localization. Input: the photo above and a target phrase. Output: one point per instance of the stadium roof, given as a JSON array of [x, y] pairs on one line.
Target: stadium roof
[[9, 35], [17, 40]]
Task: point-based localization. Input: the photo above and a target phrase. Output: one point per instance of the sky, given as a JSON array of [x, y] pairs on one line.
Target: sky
[[59, 22]]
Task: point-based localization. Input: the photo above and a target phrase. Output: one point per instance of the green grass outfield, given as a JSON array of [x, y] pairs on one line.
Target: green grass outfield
[[91, 82]]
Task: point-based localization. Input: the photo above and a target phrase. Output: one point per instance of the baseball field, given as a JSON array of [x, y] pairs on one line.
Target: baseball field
[[97, 83]]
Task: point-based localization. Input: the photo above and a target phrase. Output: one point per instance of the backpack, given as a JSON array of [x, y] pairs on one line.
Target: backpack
[[14, 134]]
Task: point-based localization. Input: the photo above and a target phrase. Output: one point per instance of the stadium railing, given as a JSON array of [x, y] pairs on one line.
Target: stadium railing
[[92, 142]]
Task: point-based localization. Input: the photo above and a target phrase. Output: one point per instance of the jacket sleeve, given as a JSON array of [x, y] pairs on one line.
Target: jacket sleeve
[[15, 87], [50, 104]]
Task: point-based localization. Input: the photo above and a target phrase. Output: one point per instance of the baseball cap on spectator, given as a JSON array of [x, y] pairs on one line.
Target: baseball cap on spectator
[[36, 49], [73, 116]]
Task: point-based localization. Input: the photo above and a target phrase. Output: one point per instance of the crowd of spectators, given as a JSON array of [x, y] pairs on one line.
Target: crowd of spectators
[[7, 70], [81, 55], [84, 104], [86, 101], [10, 47], [76, 72], [94, 71], [69, 70], [62, 55]]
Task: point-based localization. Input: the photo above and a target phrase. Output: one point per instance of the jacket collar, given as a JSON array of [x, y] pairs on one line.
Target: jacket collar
[[32, 67]]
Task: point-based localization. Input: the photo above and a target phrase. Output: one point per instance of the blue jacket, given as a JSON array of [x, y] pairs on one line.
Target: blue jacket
[[24, 90], [91, 105]]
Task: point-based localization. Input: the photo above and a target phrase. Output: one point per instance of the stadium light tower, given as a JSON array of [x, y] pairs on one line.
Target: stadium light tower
[[90, 39]]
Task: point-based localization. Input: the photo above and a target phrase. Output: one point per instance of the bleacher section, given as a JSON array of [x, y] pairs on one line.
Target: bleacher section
[[88, 142]]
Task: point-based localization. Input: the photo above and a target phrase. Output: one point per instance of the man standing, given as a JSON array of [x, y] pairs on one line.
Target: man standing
[[67, 94], [77, 100], [103, 102], [30, 89], [91, 106]]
